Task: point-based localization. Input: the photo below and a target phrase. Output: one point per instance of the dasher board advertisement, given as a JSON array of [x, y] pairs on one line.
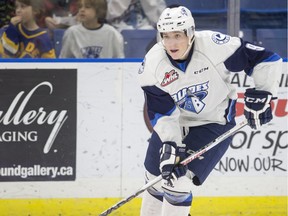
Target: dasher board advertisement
[[38, 124]]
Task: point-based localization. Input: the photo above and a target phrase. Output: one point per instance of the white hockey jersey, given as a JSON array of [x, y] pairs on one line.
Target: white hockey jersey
[[198, 91]]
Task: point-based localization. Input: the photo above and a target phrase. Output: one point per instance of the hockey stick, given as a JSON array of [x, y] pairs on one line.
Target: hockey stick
[[193, 156]]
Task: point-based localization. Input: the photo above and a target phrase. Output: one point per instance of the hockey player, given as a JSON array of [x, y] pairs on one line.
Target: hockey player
[[190, 102]]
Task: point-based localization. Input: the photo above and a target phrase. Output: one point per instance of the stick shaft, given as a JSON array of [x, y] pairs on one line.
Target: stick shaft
[[193, 156], [126, 200], [215, 142]]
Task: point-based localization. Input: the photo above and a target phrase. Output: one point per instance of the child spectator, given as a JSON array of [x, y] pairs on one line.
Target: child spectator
[[23, 38], [92, 38]]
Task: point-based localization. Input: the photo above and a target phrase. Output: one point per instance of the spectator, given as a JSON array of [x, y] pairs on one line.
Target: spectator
[[23, 37], [92, 38], [134, 14]]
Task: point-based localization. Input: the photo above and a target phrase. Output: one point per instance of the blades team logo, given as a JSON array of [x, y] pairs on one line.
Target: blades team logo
[[184, 12], [169, 77], [193, 101], [220, 39], [191, 98], [91, 51]]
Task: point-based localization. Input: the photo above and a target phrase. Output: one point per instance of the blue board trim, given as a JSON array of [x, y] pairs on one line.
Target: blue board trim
[[10, 60]]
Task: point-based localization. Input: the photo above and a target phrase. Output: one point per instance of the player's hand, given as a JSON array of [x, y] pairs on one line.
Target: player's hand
[[257, 108], [170, 156], [15, 20]]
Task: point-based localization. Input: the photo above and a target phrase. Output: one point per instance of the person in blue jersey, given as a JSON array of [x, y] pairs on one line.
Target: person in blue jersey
[[190, 102], [23, 38]]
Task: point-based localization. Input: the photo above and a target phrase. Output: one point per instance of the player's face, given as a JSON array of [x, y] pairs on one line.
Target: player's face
[[176, 43], [24, 11], [86, 12]]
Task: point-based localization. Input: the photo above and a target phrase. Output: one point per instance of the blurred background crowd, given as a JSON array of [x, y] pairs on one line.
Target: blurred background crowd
[[71, 31]]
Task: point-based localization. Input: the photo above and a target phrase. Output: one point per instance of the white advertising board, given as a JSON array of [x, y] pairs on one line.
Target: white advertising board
[[112, 141]]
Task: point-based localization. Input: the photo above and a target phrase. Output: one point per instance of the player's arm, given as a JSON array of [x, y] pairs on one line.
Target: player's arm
[[265, 67], [163, 115]]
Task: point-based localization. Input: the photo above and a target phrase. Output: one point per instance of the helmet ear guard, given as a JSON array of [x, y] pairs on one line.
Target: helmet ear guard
[[190, 32]]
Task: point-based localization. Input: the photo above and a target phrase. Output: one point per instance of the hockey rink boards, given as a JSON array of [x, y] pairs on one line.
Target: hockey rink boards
[[96, 156]]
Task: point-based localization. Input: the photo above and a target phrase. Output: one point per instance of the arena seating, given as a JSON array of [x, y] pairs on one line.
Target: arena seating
[[201, 7], [268, 21], [206, 13], [137, 42], [273, 39], [263, 14], [247, 35], [57, 40]]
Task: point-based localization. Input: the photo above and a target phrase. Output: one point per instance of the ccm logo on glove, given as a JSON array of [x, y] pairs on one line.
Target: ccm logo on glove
[[257, 108], [255, 100]]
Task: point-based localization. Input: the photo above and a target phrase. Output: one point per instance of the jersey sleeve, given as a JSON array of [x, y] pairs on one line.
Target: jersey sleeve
[[264, 66], [163, 114], [162, 111]]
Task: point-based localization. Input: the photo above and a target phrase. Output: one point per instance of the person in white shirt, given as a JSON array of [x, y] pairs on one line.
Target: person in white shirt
[[92, 38]]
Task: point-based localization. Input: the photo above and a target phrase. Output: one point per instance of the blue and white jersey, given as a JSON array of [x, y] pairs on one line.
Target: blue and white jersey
[[198, 91]]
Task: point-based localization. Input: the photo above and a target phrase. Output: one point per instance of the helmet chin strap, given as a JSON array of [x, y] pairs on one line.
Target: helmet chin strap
[[185, 54]]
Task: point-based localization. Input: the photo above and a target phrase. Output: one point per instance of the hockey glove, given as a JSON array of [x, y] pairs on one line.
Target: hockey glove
[[257, 108], [170, 156]]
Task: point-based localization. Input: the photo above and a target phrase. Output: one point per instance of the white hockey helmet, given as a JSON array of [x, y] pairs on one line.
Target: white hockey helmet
[[176, 19]]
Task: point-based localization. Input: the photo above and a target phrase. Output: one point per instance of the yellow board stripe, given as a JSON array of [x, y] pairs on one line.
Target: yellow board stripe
[[204, 206]]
